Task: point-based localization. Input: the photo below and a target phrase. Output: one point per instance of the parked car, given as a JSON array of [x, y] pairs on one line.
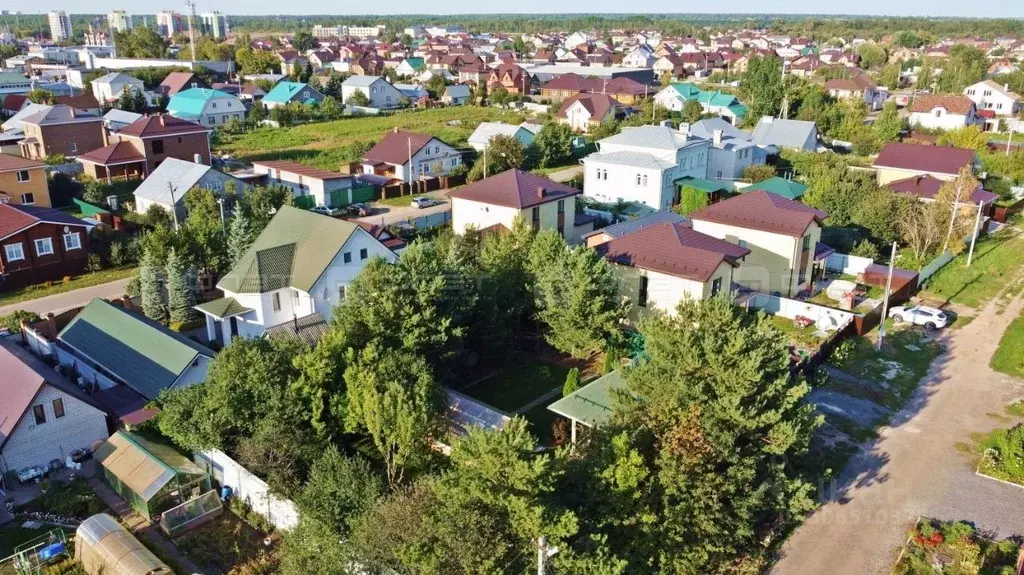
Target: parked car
[[359, 210], [422, 202], [931, 318], [326, 211]]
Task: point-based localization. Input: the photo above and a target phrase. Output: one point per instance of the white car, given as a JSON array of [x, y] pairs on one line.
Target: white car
[[325, 211], [931, 318], [422, 202]]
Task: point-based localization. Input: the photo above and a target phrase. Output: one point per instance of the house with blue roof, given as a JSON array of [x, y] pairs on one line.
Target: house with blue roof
[[206, 106], [286, 92], [675, 96]]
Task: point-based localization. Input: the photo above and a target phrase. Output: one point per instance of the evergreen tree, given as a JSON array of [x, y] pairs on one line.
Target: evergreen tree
[[151, 289], [572, 382], [240, 237], [139, 103], [181, 289], [889, 124]]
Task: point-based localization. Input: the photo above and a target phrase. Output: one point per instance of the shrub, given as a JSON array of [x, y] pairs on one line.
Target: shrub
[[572, 382], [12, 321], [759, 172], [93, 264]]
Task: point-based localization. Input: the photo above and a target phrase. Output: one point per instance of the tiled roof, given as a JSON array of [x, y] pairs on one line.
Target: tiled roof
[[925, 103], [921, 158], [10, 163], [116, 153], [927, 187], [673, 249], [761, 210], [161, 125], [397, 146], [14, 218], [514, 189]]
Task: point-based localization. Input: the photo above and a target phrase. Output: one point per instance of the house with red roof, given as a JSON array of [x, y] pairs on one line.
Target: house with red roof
[[410, 156], [780, 233], [901, 160], [496, 202], [177, 81], [584, 110], [660, 265], [140, 147], [40, 244], [512, 78], [943, 112], [926, 188]]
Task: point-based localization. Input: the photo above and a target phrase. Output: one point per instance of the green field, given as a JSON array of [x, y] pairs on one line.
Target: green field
[[998, 260], [1008, 358], [327, 145]]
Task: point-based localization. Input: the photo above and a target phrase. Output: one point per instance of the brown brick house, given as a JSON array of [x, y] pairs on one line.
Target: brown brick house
[[511, 77], [23, 182], [60, 129], [137, 149], [40, 244], [178, 81]]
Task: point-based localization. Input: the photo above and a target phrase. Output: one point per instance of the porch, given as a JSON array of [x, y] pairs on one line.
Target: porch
[[222, 319]]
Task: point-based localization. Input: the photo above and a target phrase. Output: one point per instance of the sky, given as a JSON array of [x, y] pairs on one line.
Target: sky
[[991, 9]]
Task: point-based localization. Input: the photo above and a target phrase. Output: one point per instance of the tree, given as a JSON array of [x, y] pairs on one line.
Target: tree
[[333, 87], [762, 85], [666, 79], [313, 548], [890, 76], [330, 109], [436, 86], [392, 396], [690, 200], [303, 41], [339, 490], [503, 153], [966, 65], [871, 55], [889, 125], [40, 96], [925, 76], [307, 73], [129, 102], [204, 232], [140, 43], [554, 142], [257, 113], [154, 297], [955, 195], [358, 98], [572, 382], [921, 227], [181, 290], [692, 111], [968, 137], [814, 104], [759, 172]]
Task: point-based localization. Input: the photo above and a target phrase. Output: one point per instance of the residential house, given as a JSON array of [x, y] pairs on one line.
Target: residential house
[[109, 87], [40, 244], [499, 200], [326, 188], [43, 416], [109, 346], [170, 182], [732, 150], [246, 92], [415, 94], [993, 99], [943, 112], [792, 134], [481, 136], [512, 78], [638, 57], [321, 59], [206, 106], [675, 96], [285, 93], [899, 161], [291, 61], [672, 64], [781, 235], [409, 156], [14, 83], [643, 164], [584, 110], [115, 120], [60, 130], [23, 182], [779, 186], [380, 93], [857, 87], [177, 81], [410, 67], [660, 265], [457, 95], [137, 150], [292, 277], [926, 188], [11, 104], [83, 102], [625, 90]]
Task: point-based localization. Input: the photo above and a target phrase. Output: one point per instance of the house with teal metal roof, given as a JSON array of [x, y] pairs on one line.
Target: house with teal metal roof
[[675, 96], [206, 106], [780, 187], [287, 92], [411, 67]]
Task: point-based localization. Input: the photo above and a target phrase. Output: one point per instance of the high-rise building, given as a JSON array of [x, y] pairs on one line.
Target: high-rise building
[[321, 32], [119, 20], [60, 25], [365, 31], [169, 23], [214, 24]]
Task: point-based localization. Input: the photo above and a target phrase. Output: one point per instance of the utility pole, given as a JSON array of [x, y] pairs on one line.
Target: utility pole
[[1009, 140], [223, 224], [953, 212], [543, 553], [974, 237], [885, 299], [191, 5], [784, 113], [485, 161], [408, 142], [174, 208]]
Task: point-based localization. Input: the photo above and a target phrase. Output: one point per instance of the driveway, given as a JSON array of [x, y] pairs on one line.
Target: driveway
[[67, 300], [914, 467], [566, 174], [405, 213]]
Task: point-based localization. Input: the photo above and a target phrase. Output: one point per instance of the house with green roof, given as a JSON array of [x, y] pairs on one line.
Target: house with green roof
[[292, 277], [675, 96], [287, 92], [780, 187], [593, 404], [411, 67], [107, 346], [206, 106]]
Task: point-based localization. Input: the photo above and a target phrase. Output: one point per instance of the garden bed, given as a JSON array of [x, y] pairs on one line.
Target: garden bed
[[936, 547], [74, 500], [802, 338], [228, 544], [525, 381]]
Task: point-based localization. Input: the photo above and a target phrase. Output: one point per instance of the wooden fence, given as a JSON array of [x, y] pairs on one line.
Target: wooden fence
[[421, 186]]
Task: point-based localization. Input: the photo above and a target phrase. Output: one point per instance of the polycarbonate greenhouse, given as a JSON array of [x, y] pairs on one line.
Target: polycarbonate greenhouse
[[104, 547]]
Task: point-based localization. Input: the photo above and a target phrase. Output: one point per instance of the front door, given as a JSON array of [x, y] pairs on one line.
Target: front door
[[234, 326]]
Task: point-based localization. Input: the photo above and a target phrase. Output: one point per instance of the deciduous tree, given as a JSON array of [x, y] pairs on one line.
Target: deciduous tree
[[554, 142]]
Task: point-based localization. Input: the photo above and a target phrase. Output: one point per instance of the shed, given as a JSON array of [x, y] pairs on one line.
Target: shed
[[151, 477], [103, 546]]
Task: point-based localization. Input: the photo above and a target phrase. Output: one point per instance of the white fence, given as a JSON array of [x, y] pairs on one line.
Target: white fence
[[37, 343], [281, 513], [847, 264], [826, 318]]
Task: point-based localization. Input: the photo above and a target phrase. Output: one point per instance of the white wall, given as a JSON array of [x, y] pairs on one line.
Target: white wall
[[847, 264], [468, 213], [326, 293], [944, 121], [193, 374], [281, 513], [620, 183]]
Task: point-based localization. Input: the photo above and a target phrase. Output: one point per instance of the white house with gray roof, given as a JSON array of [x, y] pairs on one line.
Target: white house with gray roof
[[109, 87], [642, 164], [481, 136], [380, 93], [732, 150], [792, 134], [174, 177]]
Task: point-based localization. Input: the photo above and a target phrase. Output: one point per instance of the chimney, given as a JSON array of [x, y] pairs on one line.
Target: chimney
[[51, 327], [716, 137], [1006, 87], [162, 121], [540, 191]]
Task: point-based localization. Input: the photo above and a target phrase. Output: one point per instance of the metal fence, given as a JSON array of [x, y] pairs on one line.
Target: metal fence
[[933, 266]]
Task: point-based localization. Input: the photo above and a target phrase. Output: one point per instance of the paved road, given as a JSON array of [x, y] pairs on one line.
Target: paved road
[[566, 174], [914, 468], [404, 213], [62, 301]]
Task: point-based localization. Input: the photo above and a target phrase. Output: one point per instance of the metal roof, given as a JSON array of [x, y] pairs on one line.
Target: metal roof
[[142, 466], [222, 308], [657, 137], [592, 404], [632, 159], [785, 133], [361, 81], [487, 130], [180, 175], [780, 187]]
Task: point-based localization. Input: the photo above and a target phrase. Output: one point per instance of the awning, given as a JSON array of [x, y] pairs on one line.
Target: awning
[[702, 185], [821, 251], [591, 404], [223, 308]]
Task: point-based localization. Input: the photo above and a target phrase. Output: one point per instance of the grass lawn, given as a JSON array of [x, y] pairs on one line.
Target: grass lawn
[[802, 338], [84, 280], [1009, 358], [527, 379], [326, 145], [75, 500], [1002, 454], [405, 201], [998, 259], [958, 547]]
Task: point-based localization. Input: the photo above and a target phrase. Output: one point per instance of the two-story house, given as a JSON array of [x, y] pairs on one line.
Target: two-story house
[[993, 102], [675, 97], [177, 81], [292, 276], [781, 235], [206, 106], [285, 93], [23, 182], [857, 87], [139, 148], [586, 110], [379, 92], [943, 112], [409, 156], [732, 150], [330, 189], [642, 164], [498, 200], [40, 244], [60, 130], [512, 78], [109, 87]]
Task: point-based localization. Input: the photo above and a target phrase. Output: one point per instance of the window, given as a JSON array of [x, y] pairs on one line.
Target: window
[[72, 241], [641, 299], [14, 252], [214, 105], [716, 286], [638, 179], [58, 408], [74, 147], [23, 176], [938, 113], [276, 301], [40, 414], [535, 218], [28, 199], [363, 254], [970, 92], [987, 93], [999, 106], [346, 257], [741, 243], [806, 243], [561, 206], [44, 247], [605, 175], [158, 146], [645, 181], [342, 292], [719, 174]]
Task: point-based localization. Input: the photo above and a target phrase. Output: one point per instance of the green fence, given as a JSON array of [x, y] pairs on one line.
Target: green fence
[[304, 202], [88, 209], [364, 193]]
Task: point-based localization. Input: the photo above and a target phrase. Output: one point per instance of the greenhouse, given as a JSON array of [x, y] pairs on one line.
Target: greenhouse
[[151, 477], [104, 547]]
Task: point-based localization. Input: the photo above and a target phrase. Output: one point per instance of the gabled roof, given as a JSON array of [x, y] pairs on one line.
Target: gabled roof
[[397, 146], [358, 81], [780, 187], [953, 104], [655, 137], [706, 129], [457, 91], [15, 121], [487, 130], [60, 114], [629, 226], [785, 133], [11, 163], [633, 159], [14, 218], [116, 153], [80, 101], [515, 189], [161, 125], [293, 250], [927, 186], [178, 174], [673, 249], [121, 116], [761, 210], [143, 354], [178, 81], [598, 105], [945, 160], [284, 91], [191, 102], [990, 84], [301, 169], [117, 77]]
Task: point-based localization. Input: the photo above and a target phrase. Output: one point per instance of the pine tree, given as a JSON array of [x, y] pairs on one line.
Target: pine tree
[[154, 298], [240, 237], [139, 103], [572, 381], [181, 292]]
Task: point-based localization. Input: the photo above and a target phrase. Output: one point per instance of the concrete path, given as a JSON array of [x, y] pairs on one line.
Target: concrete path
[[914, 467], [542, 399], [566, 174], [396, 214], [67, 300]]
